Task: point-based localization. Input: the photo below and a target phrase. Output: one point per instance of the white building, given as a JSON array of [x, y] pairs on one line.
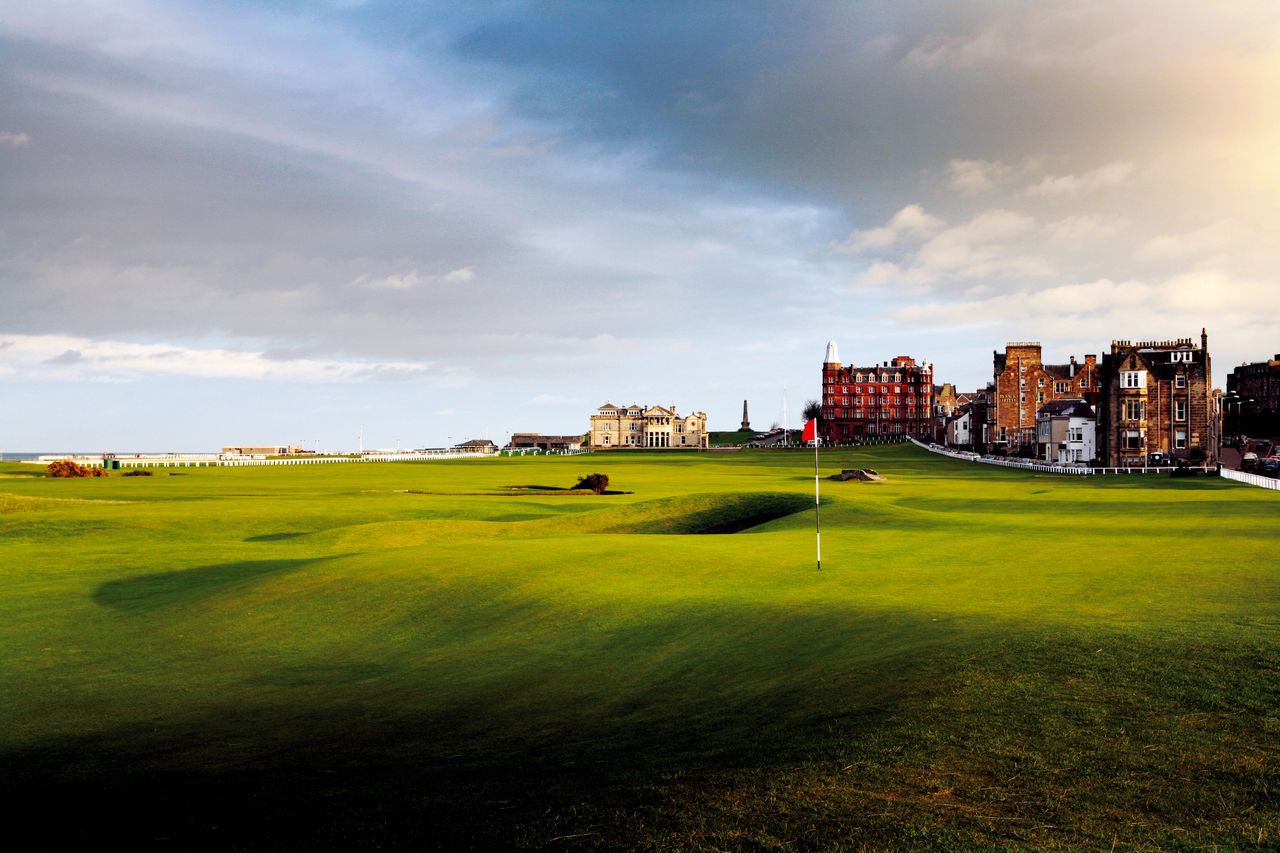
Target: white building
[[960, 430], [1067, 431]]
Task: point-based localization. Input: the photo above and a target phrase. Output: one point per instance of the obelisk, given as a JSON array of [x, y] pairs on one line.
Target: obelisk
[[746, 424]]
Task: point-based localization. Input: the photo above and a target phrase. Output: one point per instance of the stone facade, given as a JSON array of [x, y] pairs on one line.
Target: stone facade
[[946, 405], [614, 427], [1024, 383], [1156, 402], [1251, 405], [892, 398]]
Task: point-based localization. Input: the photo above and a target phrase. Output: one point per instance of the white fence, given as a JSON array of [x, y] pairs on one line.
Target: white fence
[[202, 460], [1239, 476], [1252, 479], [1025, 465]]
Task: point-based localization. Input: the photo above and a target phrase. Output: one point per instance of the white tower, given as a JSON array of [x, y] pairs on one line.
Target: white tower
[[833, 354]]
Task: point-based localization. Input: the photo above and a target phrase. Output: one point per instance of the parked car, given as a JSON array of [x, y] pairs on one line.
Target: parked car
[[1249, 462], [1269, 467]]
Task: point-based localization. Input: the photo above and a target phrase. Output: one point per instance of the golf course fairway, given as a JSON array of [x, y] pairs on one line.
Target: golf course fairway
[[418, 655]]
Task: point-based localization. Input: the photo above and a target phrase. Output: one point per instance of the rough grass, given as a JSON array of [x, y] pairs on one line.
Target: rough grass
[[367, 655]]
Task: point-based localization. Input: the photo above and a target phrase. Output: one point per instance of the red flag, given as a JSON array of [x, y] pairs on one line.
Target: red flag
[[810, 431]]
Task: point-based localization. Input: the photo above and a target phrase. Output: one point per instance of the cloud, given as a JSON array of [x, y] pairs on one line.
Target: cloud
[[14, 140], [975, 176], [988, 245], [1083, 230], [1110, 175], [411, 279], [553, 400], [71, 358], [1213, 238], [460, 275], [910, 221]]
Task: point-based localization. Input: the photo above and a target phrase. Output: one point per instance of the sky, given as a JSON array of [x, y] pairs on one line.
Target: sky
[[259, 222]]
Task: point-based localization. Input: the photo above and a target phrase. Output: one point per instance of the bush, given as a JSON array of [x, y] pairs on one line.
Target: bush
[[595, 482], [67, 468], [136, 472]]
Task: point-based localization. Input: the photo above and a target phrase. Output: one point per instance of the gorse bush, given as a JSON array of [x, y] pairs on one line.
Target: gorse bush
[[595, 482], [67, 468]]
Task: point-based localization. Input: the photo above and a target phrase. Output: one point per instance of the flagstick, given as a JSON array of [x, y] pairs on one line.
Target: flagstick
[[817, 503]]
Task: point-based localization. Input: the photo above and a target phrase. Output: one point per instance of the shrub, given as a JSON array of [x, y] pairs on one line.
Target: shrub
[[67, 468], [595, 482], [136, 472]]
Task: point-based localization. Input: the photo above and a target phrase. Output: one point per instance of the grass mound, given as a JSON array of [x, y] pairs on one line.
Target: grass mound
[[710, 514]]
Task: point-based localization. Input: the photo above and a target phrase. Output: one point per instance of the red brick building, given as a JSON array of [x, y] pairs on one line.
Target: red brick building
[[1024, 383], [892, 398]]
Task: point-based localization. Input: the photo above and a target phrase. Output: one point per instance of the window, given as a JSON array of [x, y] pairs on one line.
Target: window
[[1039, 396], [1133, 379], [1180, 439], [1059, 387], [1180, 381], [1075, 434], [1180, 410], [606, 439], [897, 389], [1134, 410], [1133, 440], [1040, 382], [1181, 355], [1022, 398]]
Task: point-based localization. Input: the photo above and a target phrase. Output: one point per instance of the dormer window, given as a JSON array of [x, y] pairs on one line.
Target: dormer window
[[1133, 379]]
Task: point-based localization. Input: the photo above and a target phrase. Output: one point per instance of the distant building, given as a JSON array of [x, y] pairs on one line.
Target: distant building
[[1023, 383], [482, 445], [1251, 405], [1156, 402], [633, 426], [1067, 431], [892, 398], [545, 443], [959, 429], [946, 403], [264, 450]]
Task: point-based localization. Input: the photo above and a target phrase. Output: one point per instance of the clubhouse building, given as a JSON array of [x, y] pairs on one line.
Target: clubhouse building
[[614, 427]]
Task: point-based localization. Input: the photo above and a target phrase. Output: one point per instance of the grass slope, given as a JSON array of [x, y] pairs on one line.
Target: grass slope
[[402, 655]]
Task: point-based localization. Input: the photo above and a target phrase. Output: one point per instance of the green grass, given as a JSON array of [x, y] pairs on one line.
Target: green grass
[[411, 655], [730, 438]]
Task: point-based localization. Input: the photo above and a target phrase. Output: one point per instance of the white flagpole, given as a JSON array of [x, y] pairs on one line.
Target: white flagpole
[[817, 502]]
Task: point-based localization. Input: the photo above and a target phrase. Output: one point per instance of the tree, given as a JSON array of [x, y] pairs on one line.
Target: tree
[[812, 410]]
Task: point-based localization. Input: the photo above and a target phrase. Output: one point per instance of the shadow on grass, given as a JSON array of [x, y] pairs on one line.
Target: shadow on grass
[[1009, 740], [276, 537], [152, 591], [718, 514]]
